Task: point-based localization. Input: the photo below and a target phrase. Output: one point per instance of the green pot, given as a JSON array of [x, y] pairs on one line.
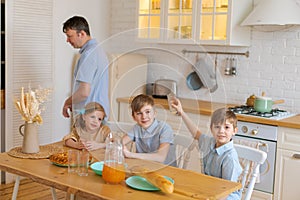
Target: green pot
[[263, 105]]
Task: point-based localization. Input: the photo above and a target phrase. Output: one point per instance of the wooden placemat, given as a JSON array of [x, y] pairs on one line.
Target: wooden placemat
[[45, 152]]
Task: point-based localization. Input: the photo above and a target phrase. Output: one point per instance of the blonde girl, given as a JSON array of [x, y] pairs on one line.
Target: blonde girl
[[88, 131]]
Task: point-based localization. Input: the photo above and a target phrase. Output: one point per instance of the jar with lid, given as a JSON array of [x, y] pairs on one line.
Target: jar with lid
[[114, 162]]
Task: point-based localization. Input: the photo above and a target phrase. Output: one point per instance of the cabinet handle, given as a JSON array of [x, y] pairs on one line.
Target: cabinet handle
[[297, 156]]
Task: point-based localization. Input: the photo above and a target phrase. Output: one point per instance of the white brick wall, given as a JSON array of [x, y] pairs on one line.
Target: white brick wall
[[273, 65]]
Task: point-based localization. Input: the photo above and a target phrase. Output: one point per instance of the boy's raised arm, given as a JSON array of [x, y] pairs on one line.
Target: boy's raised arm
[[186, 119]]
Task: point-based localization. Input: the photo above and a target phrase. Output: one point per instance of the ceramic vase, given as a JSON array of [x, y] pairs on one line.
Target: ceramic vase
[[29, 131]]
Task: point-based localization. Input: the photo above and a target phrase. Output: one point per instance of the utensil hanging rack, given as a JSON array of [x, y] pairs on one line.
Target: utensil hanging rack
[[184, 51]]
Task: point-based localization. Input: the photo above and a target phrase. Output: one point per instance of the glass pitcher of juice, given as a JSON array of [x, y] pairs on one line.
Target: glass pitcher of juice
[[114, 162]]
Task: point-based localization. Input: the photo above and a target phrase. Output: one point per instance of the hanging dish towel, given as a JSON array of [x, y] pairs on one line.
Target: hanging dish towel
[[207, 74]]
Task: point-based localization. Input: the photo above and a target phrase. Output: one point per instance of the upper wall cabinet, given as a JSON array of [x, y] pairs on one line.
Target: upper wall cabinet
[[206, 22]]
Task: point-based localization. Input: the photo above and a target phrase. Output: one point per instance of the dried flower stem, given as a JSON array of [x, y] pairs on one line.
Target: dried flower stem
[[30, 102]]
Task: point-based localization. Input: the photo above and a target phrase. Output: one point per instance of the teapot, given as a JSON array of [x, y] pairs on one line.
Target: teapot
[[114, 161]]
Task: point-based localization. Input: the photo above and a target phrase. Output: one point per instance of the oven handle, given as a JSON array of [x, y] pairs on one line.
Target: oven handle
[[262, 144], [296, 155]]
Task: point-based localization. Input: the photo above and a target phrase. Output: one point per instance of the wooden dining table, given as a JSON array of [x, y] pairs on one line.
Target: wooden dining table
[[187, 184]]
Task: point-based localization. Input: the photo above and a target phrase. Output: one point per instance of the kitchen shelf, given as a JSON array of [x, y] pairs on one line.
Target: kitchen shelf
[[184, 51]]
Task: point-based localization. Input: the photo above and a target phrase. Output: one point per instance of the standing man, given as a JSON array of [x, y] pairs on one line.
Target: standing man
[[90, 78]]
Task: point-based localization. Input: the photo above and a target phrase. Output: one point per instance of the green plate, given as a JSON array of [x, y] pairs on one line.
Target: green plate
[[140, 183], [60, 165], [65, 165]]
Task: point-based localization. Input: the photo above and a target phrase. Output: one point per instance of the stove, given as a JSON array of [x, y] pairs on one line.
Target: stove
[[263, 137], [274, 114]]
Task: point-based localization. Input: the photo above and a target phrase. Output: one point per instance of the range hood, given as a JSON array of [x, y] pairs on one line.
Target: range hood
[[274, 13]]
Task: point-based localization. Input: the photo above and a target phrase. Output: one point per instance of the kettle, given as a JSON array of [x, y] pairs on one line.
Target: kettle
[[250, 100], [114, 162]]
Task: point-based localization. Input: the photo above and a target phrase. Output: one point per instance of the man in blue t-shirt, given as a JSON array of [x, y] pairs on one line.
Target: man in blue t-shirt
[[90, 78]]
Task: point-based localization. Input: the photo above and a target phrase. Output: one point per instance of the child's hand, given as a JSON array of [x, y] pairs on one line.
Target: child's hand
[[91, 145], [80, 145], [177, 105], [126, 152]]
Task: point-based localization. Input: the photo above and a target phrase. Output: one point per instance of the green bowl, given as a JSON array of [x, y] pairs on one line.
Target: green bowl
[[97, 167]]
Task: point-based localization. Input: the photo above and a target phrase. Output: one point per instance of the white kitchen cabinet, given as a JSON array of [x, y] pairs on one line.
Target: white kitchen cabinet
[[207, 22], [149, 19], [287, 164]]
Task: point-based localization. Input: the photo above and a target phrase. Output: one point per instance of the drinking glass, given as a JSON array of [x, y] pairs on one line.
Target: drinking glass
[[73, 161], [171, 97], [83, 163]]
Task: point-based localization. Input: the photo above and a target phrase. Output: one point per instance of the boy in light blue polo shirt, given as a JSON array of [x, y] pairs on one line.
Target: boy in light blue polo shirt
[[153, 139], [220, 158]]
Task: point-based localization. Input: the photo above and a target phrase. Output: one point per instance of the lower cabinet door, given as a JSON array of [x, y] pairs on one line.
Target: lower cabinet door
[[287, 175]]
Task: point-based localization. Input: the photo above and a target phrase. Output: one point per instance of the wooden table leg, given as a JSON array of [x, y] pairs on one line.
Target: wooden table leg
[[53, 192], [70, 196], [16, 188]]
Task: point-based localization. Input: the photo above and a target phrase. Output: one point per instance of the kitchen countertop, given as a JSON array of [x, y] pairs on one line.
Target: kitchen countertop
[[206, 108]]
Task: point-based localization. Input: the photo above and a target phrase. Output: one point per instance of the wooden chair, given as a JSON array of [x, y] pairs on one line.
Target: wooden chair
[[252, 158], [183, 145]]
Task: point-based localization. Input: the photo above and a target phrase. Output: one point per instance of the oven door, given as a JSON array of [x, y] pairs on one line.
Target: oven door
[[267, 170]]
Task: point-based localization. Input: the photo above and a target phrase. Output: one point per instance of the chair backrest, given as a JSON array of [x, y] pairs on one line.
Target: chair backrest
[[252, 159], [183, 146]]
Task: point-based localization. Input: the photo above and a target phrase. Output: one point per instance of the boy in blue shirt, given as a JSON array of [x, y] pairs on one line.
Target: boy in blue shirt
[[220, 158], [153, 139]]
